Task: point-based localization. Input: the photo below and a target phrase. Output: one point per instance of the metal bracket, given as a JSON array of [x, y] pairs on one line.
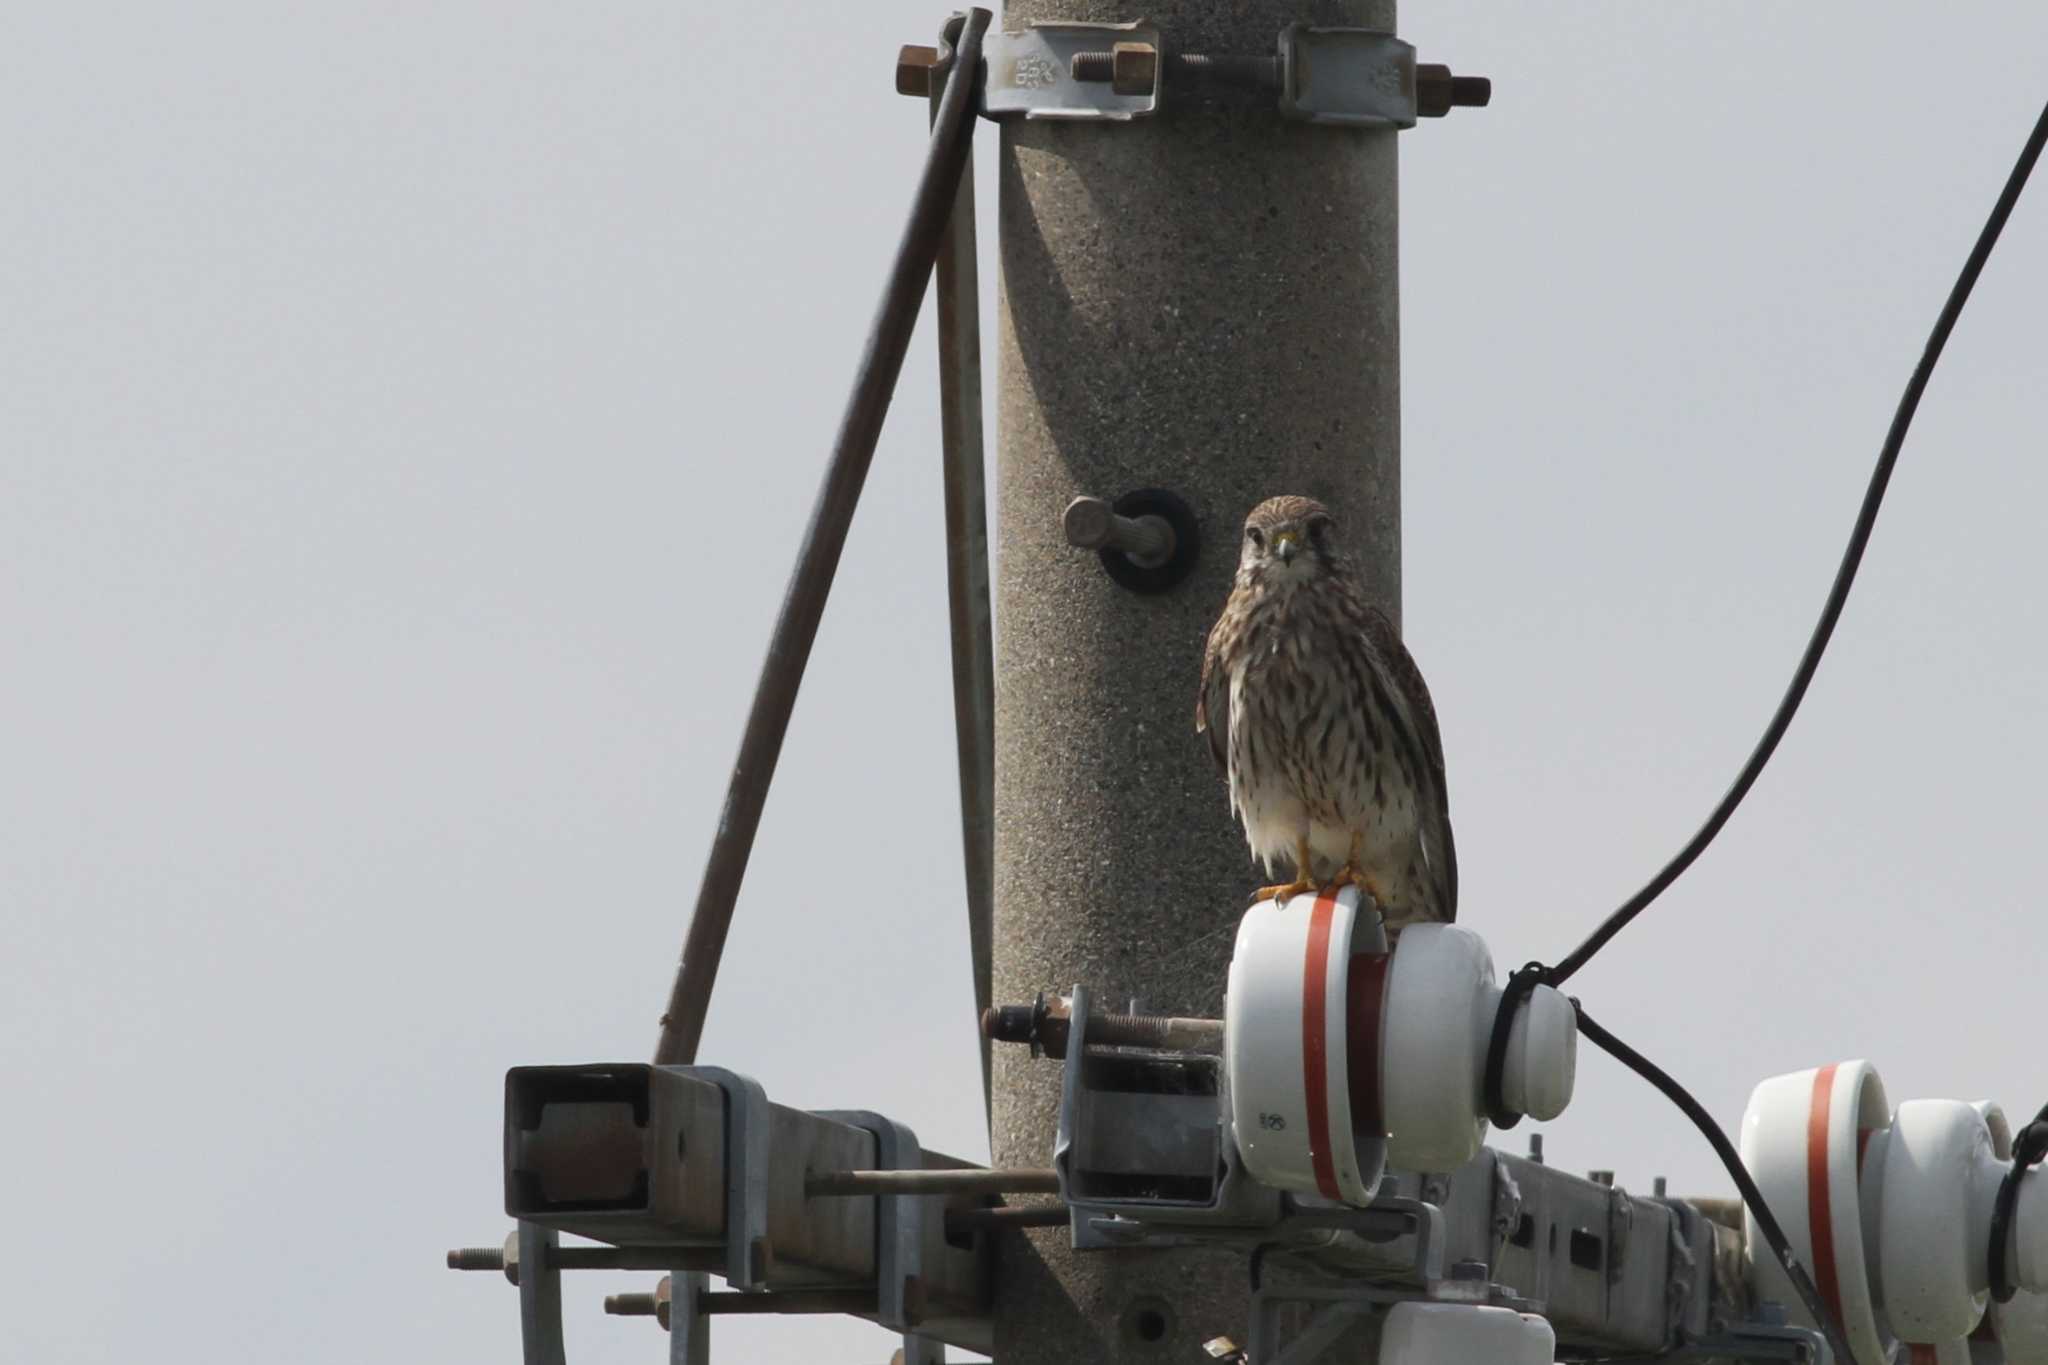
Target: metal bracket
[[1620, 1222], [1507, 1207], [540, 1296], [899, 1229], [1389, 1217], [689, 1331], [748, 1252], [1167, 1116], [1355, 77], [1032, 73]]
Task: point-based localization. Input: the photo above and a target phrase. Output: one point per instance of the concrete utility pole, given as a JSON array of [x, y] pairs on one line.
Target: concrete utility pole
[[1202, 301]]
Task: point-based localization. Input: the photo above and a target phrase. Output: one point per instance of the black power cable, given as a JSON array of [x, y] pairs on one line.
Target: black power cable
[[1535, 974], [1852, 557], [2034, 1139], [2028, 1149], [1752, 1197]]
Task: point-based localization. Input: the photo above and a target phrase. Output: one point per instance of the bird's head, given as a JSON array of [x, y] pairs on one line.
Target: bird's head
[[1286, 540]]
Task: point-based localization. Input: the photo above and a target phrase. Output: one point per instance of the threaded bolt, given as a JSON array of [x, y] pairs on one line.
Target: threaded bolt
[[630, 1305], [1258, 72], [477, 1258], [1130, 1030], [1092, 524], [1437, 91], [1006, 1024], [1049, 1028]]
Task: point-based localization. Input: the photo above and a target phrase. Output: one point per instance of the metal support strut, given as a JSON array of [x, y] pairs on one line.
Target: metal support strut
[[796, 628]]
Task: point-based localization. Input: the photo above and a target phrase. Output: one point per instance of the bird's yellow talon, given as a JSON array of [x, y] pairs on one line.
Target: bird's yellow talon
[[1283, 892]]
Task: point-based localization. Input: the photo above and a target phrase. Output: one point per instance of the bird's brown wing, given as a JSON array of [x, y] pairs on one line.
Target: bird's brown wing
[[1408, 680], [1212, 701]]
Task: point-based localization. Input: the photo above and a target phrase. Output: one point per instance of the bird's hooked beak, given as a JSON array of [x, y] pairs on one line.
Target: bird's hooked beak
[[1285, 544]]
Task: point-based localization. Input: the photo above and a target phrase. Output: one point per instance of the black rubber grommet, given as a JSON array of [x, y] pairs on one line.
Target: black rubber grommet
[[1172, 509]]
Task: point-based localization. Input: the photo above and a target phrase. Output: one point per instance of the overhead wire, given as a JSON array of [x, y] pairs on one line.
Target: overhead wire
[[1752, 1197], [1526, 979], [1845, 574]]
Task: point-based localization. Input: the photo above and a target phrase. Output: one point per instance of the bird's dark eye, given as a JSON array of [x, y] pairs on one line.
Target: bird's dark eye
[[1254, 535]]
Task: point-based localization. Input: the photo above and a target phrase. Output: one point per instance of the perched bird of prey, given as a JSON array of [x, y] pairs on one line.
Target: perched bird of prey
[[1320, 718]]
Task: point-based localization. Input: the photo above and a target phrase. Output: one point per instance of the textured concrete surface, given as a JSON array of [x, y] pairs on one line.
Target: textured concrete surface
[[1204, 301]]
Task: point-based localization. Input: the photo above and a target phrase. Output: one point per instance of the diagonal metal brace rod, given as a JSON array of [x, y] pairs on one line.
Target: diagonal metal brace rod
[[967, 594], [796, 628]]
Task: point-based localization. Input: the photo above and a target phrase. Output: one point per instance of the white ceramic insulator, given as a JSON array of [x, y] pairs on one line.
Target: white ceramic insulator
[[1814, 1121], [1543, 1051], [1408, 1032], [1464, 1334], [1437, 1023], [1908, 1199], [1441, 1003], [1291, 1114], [1930, 1181]]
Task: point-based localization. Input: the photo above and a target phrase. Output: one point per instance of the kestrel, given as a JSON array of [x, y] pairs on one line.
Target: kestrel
[[1320, 718]]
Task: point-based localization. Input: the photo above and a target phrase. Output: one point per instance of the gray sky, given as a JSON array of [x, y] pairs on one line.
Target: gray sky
[[407, 413]]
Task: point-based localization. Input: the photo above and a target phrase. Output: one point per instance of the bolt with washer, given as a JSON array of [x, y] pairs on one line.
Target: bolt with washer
[[1091, 524]]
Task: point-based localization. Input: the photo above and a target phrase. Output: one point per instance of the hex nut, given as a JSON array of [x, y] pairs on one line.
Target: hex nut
[[914, 65], [1134, 68]]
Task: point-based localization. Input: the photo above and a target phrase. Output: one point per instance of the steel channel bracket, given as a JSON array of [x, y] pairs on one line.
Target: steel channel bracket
[[748, 1252], [1186, 1132], [899, 1232], [1082, 1221], [1389, 1216], [540, 1296], [689, 1331], [1031, 73], [1356, 77]]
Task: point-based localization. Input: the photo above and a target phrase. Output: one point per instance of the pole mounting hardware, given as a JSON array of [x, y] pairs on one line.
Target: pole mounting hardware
[[1036, 74], [1349, 77], [1360, 78], [1148, 539]]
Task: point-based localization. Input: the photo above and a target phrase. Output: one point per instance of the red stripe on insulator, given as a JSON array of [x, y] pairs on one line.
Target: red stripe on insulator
[[1820, 1225], [1315, 1055]]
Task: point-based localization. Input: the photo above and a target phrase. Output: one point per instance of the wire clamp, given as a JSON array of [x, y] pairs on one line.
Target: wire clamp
[[1520, 983], [2027, 1151]]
